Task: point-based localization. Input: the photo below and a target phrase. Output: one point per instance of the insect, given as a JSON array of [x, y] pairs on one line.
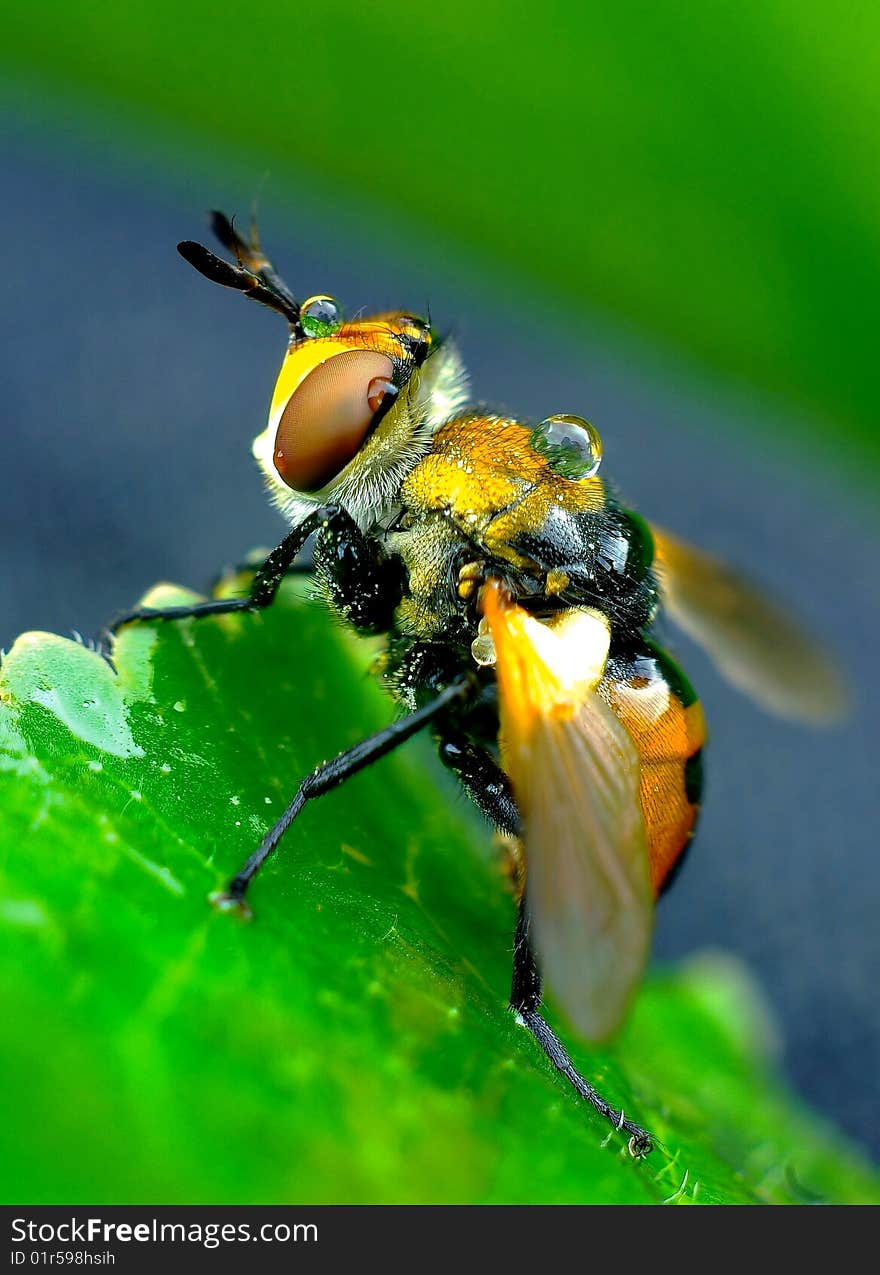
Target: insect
[[516, 595]]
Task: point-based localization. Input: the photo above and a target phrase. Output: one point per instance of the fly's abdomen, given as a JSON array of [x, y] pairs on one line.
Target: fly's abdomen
[[656, 704]]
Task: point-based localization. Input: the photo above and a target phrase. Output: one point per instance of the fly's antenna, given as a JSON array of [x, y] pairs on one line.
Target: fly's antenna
[[249, 253], [254, 275]]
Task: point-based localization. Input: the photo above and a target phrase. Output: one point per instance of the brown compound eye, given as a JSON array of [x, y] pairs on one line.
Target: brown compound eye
[[328, 415]]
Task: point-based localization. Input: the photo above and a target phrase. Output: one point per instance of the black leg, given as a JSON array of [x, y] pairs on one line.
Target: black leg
[[361, 585], [330, 775], [525, 999], [264, 586], [301, 567], [357, 580], [488, 786], [482, 779]]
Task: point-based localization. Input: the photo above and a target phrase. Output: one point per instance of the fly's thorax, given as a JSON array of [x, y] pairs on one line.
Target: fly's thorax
[[602, 559], [485, 475], [485, 493], [430, 548]]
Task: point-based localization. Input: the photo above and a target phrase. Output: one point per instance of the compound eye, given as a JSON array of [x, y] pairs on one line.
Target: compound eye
[[571, 445], [328, 415], [320, 316]]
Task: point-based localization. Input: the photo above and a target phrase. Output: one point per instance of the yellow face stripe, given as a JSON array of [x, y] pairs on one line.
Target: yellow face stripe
[[303, 357], [300, 360]]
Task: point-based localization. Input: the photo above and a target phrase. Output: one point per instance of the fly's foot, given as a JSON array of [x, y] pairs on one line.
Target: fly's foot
[[640, 1144], [103, 645], [640, 1141], [230, 901]]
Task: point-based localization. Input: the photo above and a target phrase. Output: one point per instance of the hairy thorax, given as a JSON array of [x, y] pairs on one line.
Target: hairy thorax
[[484, 500]]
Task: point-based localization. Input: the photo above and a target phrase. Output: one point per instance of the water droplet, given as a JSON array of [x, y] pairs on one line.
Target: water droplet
[[571, 445], [483, 646]]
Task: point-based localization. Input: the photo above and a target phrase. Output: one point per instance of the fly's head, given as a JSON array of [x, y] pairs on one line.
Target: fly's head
[[356, 401]]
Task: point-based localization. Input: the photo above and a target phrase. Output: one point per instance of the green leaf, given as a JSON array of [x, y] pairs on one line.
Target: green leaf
[[352, 1042]]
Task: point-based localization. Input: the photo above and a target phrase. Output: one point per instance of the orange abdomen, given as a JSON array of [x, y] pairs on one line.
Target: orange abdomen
[[655, 702]]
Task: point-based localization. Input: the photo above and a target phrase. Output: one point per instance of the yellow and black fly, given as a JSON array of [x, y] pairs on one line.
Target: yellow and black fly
[[516, 596]]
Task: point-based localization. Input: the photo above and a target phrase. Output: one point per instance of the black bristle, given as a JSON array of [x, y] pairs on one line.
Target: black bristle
[[225, 232]]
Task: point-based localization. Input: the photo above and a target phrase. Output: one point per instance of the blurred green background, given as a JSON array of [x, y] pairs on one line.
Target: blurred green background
[[702, 174]]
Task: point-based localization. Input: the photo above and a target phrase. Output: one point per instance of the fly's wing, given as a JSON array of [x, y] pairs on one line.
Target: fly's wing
[[575, 774], [752, 640]]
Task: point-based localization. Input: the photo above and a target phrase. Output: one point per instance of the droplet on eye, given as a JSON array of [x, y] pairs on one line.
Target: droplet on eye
[[376, 391]]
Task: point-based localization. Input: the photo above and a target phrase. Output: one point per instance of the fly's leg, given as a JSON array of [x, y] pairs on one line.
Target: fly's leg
[[353, 574], [264, 585], [482, 779], [250, 566], [329, 776], [525, 1000], [489, 788], [358, 582]]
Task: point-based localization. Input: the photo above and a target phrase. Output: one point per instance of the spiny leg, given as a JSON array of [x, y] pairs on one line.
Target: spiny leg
[[360, 583], [250, 566], [488, 786], [265, 582], [525, 999], [330, 775], [264, 585], [352, 572]]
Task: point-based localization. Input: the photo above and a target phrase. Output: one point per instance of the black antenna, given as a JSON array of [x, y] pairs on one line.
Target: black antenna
[[254, 275]]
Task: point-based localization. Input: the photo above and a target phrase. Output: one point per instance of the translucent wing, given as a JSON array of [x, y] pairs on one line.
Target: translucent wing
[[753, 641], [575, 774]]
